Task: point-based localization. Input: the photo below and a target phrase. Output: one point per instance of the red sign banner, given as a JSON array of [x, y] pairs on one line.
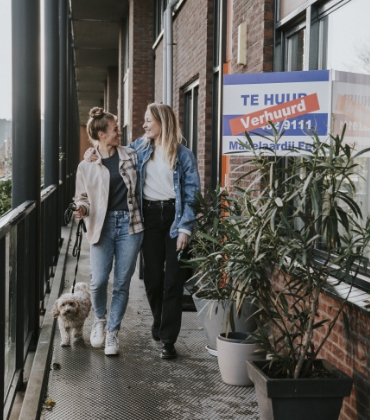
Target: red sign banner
[[276, 113]]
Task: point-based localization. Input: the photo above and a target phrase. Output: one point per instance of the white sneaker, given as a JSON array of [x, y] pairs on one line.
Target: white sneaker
[[97, 335], [111, 343]]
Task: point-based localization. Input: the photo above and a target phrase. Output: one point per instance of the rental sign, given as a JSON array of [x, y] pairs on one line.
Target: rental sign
[[296, 102]]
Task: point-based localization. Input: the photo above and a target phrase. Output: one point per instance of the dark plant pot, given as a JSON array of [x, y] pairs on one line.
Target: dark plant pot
[[299, 399], [213, 317]]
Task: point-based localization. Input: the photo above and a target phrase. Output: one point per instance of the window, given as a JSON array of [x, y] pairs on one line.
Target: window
[[295, 51], [341, 51], [191, 93], [332, 34], [288, 6], [351, 54], [159, 8]]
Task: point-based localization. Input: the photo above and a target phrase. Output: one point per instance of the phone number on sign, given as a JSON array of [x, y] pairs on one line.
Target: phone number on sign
[[302, 125]]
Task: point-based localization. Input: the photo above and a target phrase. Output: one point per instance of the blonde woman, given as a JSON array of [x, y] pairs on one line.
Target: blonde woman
[[107, 196], [169, 179]]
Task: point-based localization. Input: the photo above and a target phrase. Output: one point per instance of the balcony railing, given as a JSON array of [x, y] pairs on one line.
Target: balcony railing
[[17, 280], [23, 290]]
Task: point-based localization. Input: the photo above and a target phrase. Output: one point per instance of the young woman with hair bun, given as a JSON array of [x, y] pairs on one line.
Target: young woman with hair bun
[[107, 196], [169, 179]]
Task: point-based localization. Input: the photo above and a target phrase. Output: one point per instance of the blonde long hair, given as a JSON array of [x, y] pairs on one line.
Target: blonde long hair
[[170, 130]]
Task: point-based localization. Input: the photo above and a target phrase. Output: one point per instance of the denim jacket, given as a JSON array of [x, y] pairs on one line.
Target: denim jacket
[[185, 180]]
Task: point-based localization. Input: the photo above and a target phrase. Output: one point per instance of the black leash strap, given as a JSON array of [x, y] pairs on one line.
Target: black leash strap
[[77, 246]]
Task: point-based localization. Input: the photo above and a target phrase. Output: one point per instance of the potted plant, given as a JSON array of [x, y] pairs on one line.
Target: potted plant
[[209, 286], [298, 225], [233, 349]]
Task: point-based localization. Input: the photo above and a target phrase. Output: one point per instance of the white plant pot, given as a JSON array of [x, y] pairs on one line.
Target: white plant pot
[[213, 317], [232, 354]]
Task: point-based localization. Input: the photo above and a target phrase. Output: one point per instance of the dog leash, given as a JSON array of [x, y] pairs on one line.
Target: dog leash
[[77, 246]]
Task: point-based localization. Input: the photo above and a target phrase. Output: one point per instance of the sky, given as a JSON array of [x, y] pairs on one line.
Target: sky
[[349, 37], [6, 60]]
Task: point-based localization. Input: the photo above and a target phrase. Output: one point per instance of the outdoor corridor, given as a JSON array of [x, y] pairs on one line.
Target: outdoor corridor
[[138, 385]]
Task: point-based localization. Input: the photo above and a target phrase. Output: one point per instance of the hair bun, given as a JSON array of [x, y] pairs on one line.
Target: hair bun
[[96, 112]]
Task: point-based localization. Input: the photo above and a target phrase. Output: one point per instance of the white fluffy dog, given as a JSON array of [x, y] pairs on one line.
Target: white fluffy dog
[[72, 311]]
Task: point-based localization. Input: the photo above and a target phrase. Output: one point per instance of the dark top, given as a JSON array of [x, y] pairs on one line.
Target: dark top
[[117, 187]]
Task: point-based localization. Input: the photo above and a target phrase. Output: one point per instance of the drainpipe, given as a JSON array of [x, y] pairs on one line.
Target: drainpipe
[[168, 54], [164, 80]]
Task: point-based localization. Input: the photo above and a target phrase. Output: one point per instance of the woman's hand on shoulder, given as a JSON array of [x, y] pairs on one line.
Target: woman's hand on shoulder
[[90, 155]]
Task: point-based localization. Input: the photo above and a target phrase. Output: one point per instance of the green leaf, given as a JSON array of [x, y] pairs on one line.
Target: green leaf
[[279, 202]]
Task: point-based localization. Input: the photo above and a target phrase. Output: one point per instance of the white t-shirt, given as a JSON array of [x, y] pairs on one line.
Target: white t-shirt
[[158, 185]]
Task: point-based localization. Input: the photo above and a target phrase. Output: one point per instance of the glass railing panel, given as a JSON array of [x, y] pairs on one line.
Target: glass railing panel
[[10, 306]]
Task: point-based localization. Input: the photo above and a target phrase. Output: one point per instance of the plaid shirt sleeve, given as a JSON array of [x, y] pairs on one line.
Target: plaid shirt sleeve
[[129, 174]]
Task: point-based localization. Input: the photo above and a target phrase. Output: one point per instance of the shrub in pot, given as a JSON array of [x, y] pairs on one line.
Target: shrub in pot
[[210, 287], [289, 213]]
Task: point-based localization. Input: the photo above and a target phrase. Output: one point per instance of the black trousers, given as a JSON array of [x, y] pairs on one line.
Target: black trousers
[[164, 276]]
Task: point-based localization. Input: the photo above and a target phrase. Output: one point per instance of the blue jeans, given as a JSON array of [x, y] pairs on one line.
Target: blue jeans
[[115, 242]]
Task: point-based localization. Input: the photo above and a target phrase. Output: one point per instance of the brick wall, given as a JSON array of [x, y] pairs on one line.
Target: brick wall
[[259, 16], [141, 63], [120, 76], [192, 59], [84, 141], [350, 353], [112, 90]]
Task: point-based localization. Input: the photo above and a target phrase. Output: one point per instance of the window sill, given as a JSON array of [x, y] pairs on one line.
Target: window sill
[[158, 40], [356, 298]]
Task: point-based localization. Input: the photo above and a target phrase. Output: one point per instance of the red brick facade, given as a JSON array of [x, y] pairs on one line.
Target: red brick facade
[[350, 353], [140, 63], [112, 90], [259, 16], [192, 60]]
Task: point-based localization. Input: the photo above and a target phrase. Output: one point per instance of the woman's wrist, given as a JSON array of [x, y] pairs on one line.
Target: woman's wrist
[[187, 232]]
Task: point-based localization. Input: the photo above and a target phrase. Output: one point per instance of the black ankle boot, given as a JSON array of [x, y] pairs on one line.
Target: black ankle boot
[[168, 351]]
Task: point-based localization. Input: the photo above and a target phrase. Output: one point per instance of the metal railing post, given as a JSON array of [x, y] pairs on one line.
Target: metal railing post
[[51, 117], [51, 80], [26, 123], [63, 23]]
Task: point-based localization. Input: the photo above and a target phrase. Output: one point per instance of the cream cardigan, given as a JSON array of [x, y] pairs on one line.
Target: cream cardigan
[[92, 192]]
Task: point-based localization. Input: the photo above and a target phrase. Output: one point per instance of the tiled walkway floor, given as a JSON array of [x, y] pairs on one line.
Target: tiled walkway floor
[[138, 385]]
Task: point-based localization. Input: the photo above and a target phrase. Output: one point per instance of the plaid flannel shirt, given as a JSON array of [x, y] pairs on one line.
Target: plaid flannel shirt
[[92, 191]]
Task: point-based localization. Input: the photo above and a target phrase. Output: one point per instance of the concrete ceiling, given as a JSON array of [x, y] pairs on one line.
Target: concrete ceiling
[[95, 26]]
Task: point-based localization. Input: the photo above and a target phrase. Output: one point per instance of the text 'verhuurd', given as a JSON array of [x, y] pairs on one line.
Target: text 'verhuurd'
[[274, 114]]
